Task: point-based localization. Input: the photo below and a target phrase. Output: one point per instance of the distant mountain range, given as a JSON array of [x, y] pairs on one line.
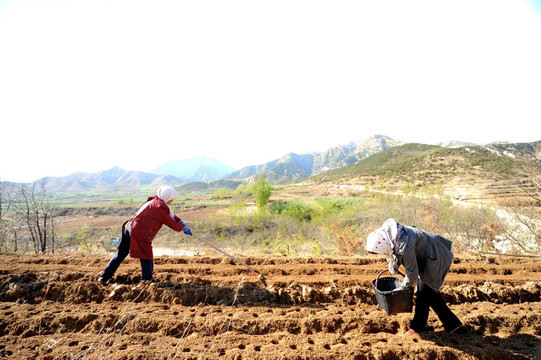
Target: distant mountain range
[[111, 180], [294, 167], [116, 180], [201, 172], [201, 168]]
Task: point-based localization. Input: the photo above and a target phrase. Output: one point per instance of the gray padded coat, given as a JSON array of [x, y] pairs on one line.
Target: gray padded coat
[[424, 255]]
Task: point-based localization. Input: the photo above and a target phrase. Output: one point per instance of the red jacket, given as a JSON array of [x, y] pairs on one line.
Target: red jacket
[[147, 224]]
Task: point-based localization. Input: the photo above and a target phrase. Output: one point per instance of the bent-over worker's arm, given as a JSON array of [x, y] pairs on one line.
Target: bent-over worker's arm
[[173, 223], [409, 260]]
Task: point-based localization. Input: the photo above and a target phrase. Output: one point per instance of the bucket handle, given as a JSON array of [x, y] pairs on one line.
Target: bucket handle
[[381, 272]]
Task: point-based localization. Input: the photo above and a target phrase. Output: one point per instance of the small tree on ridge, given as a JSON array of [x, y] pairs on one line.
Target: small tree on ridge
[[262, 192]]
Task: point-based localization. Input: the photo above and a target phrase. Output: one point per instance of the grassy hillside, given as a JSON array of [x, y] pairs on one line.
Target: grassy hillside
[[463, 173], [470, 173], [433, 162]]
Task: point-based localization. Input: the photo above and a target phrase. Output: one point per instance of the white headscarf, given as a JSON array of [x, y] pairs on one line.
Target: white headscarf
[[167, 193], [383, 240]]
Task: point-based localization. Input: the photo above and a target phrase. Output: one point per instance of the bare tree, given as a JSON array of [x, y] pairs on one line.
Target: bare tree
[[36, 210], [524, 213], [5, 204], [532, 186], [15, 232]]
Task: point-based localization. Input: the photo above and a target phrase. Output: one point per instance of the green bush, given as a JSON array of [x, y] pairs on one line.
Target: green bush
[[262, 192], [295, 208], [221, 194], [336, 205], [277, 207]]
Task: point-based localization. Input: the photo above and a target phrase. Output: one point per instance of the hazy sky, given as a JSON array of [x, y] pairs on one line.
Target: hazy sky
[[86, 85]]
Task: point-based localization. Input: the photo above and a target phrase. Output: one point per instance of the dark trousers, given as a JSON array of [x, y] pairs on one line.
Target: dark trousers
[[428, 298], [147, 266]]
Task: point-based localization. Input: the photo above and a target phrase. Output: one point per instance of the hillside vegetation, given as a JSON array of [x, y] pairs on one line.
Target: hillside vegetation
[[332, 213], [471, 173], [428, 163]]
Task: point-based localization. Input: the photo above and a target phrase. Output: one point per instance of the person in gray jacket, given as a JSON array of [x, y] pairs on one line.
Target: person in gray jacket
[[427, 258]]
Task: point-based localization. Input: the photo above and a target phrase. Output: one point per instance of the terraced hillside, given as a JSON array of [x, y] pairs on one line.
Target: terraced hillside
[[464, 174]]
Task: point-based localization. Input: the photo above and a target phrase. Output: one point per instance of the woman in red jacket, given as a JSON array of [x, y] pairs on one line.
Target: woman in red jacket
[[139, 231]]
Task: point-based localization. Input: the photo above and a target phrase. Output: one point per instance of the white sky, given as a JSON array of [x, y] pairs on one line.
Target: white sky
[[86, 85]]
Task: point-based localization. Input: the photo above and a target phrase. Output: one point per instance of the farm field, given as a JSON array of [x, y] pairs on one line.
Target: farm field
[[208, 307]]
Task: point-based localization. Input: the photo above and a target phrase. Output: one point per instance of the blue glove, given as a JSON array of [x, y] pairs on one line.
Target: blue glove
[[187, 230], [116, 242]]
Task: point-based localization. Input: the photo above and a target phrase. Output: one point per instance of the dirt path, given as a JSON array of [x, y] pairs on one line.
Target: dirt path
[[52, 307]]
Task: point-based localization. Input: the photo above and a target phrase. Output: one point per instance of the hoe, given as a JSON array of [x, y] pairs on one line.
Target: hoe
[[261, 277]]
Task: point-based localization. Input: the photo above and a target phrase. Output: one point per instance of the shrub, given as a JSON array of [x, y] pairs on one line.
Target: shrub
[[221, 194], [82, 238], [262, 192], [295, 208], [336, 205]]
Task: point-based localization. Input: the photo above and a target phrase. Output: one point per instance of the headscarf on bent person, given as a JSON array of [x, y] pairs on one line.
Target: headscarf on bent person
[[383, 241]]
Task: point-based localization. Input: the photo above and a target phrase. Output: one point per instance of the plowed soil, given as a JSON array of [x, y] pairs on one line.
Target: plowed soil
[[52, 307]]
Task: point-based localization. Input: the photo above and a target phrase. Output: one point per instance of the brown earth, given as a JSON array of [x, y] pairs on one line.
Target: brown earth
[[118, 214], [52, 307]]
